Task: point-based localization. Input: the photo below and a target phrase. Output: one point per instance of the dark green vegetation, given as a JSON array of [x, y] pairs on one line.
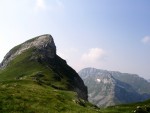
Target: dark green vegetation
[[25, 96], [23, 67], [141, 107]]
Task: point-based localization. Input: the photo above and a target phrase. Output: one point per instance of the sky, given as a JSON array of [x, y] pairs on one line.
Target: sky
[[105, 34]]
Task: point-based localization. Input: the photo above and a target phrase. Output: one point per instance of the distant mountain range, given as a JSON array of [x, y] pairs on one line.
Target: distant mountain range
[[107, 88]]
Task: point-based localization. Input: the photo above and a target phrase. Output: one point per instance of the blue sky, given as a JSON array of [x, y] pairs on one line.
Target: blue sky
[[105, 34]]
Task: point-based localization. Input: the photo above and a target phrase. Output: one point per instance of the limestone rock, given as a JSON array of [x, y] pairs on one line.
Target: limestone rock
[[43, 43]]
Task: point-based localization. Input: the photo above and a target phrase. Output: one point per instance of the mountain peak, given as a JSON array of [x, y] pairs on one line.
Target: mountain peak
[[107, 88], [43, 43], [36, 60]]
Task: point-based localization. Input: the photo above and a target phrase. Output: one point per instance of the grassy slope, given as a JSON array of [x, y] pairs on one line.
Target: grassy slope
[[24, 68], [24, 96], [26, 86]]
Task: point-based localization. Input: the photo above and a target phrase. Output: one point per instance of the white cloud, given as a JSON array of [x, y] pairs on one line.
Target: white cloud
[[146, 39], [52, 6], [93, 55], [40, 5]]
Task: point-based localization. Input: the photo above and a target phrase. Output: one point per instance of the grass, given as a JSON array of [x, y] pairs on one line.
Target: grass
[[22, 67], [27, 96], [144, 107], [24, 96]]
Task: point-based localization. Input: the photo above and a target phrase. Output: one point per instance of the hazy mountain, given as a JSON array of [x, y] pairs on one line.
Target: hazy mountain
[[106, 88], [33, 78]]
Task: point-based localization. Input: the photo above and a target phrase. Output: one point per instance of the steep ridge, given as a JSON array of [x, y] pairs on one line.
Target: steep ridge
[[36, 59], [107, 88]]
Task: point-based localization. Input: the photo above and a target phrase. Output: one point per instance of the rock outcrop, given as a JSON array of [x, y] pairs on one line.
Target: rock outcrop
[[43, 43]]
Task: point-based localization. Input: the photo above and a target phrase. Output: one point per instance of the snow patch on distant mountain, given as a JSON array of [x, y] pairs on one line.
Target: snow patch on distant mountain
[[98, 80]]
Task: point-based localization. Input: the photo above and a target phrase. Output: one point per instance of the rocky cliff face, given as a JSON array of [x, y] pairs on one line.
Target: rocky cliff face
[[36, 59], [44, 44], [106, 88]]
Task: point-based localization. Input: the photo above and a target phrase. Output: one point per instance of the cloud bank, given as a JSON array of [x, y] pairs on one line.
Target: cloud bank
[[93, 55], [146, 40]]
